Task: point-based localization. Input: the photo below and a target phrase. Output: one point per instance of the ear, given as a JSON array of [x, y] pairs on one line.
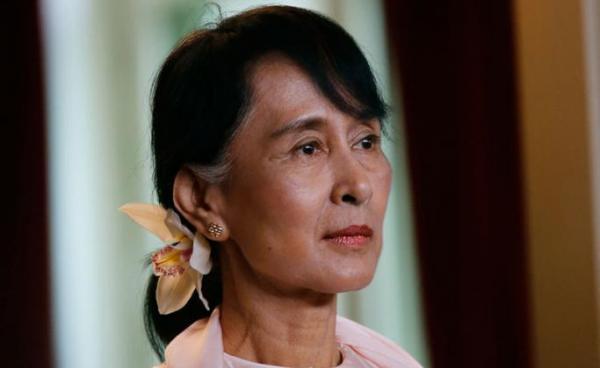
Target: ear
[[199, 202]]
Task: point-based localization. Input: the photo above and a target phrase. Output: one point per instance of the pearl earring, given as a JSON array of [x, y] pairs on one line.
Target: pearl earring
[[215, 230]]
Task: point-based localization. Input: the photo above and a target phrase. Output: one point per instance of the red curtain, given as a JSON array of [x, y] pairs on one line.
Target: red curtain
[[457, 77], [24, 305]]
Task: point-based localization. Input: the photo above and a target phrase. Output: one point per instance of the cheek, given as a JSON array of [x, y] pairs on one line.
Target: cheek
[[291, 203], [274, 218], [382, 184], [297, 196], [387, 182]]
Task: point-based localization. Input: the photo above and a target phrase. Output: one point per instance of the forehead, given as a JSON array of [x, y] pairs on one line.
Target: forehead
[[281, 90]]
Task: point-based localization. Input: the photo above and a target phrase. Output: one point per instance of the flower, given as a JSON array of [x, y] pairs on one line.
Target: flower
[[181, 264]]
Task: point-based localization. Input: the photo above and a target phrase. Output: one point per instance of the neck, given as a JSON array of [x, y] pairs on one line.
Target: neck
[[271, 326]]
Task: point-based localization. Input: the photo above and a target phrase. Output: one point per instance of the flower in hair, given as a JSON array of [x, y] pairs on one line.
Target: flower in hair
[[181, 264]]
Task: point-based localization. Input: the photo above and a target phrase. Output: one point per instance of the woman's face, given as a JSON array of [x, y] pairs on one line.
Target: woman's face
[[302, 171]]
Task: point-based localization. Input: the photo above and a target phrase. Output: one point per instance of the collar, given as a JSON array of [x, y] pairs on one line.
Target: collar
[[201, 345]]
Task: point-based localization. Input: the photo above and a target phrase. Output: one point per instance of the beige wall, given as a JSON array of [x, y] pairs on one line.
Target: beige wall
[[559, 182], [591, 18]]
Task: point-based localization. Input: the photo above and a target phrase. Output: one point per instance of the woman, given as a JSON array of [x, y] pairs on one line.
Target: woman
[[273, 188]]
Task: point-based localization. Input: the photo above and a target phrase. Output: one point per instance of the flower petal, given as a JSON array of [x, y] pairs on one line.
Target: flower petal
[[173, 222], [200, 259], [183, 244], [173, 292], [199, 289], [170, 260], [152, 218]]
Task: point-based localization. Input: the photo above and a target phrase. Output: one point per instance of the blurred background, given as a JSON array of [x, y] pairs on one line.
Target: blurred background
[[492, 236]]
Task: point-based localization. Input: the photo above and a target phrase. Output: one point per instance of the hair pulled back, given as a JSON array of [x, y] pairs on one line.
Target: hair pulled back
[[202, 93]]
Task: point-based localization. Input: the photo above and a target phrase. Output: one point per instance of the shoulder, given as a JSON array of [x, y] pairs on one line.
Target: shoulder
[[372, 345], [199, 345]]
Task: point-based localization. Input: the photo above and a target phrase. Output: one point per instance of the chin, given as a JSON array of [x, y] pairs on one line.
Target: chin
[[340, 283]]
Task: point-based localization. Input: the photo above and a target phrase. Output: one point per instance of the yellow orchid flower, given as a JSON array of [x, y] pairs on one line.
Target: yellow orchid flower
[[181, 264]]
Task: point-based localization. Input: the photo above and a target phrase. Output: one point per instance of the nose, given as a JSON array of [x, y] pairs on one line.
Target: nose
[[352, 185]]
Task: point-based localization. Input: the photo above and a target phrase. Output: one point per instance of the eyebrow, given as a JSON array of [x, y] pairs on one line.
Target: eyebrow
[[297, 125], [306, 123]]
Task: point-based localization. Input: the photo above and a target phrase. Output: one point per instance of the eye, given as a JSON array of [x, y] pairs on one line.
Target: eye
[[369, 141], [308, 149]]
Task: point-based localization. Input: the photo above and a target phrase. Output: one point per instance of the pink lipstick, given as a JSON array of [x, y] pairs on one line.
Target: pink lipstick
[[355, 236]]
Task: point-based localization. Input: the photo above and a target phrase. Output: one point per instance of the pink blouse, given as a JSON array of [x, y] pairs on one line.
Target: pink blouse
[[201, 346]]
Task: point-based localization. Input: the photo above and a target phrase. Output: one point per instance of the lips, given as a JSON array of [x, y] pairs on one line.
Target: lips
[[351, 231], [352, 238]]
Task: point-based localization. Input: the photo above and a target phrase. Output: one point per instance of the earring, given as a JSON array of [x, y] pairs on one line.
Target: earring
[[215, 230]]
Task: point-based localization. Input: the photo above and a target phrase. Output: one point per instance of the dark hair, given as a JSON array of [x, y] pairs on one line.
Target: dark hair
[[202, 93]]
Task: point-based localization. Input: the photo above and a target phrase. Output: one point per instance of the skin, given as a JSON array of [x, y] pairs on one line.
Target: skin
[[283, 195]]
